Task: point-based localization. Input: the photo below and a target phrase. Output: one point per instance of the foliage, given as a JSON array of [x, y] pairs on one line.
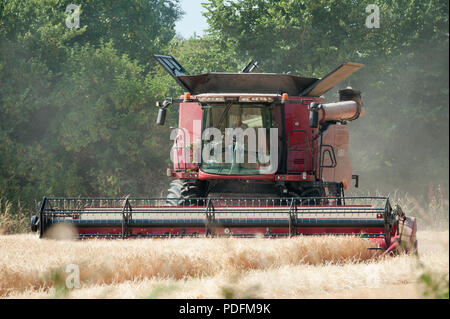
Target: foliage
[[77, 108], [77, 105], [13, 221], [435, 286], [197, 55]]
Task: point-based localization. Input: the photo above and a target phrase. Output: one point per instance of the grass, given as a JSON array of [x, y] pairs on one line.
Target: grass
[[24, 259], [215, 268], [431, 210], [14, 219]]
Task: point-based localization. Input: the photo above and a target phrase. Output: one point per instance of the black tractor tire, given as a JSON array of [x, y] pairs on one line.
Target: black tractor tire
[[185, 193], [312, 196], [34, 223]]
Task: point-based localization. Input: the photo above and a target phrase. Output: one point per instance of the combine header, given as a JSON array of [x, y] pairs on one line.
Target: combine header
[[254, 153]]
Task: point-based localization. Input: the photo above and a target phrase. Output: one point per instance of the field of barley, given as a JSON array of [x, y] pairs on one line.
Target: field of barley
[[303, 267]]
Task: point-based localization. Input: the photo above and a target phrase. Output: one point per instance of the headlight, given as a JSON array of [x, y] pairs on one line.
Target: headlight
[[211, 99], [255, 99]]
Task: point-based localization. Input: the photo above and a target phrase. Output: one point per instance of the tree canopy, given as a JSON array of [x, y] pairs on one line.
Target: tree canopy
[[77, 105]]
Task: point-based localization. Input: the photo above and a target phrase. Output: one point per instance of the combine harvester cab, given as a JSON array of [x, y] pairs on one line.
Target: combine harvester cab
[[287, 180]]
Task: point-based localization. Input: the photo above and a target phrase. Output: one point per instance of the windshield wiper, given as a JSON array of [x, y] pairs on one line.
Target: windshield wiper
[[224, 114]]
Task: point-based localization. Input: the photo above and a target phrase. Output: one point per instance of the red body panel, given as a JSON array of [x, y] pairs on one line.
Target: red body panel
[[337, 136], [299, 138], [189, 134]]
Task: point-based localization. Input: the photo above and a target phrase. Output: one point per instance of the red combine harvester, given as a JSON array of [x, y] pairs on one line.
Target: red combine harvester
[[288, 179]]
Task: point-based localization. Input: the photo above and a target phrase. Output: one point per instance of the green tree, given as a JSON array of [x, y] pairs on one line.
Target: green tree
[[77, 106], [136, 27]]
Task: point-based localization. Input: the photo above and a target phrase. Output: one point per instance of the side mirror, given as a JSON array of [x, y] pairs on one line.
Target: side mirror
[[161, 119], [356, 178]]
